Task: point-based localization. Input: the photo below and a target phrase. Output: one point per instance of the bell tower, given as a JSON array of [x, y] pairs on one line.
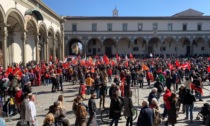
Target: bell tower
[[115, 12]]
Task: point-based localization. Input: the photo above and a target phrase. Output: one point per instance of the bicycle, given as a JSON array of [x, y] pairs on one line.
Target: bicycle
[[105, 115]]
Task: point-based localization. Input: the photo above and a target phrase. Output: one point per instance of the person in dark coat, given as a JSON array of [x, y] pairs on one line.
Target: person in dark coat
[[188, 101], [92, 107], [116, 106], [152, 94], [146, 116], [103, 93], [182, 92], [159, 87]]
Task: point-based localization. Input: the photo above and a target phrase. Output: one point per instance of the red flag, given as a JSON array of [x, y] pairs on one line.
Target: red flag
[[170, 66], [118, 57], [126, 63], [177, 63], [106, 59], [131, 56], [208, 69]]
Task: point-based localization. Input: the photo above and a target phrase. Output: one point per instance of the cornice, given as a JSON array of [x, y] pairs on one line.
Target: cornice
[[46, 9]]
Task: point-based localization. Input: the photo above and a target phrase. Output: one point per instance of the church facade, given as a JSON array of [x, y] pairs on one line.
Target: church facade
[[185, 33], [30, 31]]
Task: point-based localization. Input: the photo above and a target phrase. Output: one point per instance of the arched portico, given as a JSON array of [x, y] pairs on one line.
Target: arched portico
[[198, 46], [169, 46], [110, 47], [32, 43], [2, 49], [154, 45], [58, 45], [94, 47], [139, 46], [75, 46], [51, 44], [186, 46], [42, 41], [124, 46], [14, 45]]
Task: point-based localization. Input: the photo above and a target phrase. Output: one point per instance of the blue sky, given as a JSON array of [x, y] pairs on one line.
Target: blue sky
[[126, 7]]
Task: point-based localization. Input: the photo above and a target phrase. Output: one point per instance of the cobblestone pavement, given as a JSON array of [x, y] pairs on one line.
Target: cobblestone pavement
[[44, 98]]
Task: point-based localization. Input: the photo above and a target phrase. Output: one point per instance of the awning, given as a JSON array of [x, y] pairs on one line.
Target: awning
[[34, 12]]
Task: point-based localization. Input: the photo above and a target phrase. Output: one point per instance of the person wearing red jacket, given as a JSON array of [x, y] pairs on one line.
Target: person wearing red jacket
[[109, 72], [167, 105], [18, 97]]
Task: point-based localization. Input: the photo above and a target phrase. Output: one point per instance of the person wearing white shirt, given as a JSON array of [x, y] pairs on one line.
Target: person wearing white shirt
[[30, 115]]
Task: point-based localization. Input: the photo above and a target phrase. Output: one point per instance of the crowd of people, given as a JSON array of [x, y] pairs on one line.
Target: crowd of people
[[179, 80]]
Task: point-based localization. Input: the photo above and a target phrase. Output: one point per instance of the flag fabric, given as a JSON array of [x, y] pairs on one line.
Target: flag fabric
[[130, 56], [199, 89], [208, 69], [126, 63], [144, 67], [177, 63], [106, 59], [170, 66]]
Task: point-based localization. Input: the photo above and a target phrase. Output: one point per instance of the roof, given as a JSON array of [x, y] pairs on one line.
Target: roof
[[189, 12]]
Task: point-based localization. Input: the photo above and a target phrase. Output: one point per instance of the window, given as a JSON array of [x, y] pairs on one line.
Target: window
[[199, 27], [202, 48], [74, 27], [109, 27], [170, 27], [163, 48], [125, 25], [184, 27], [99, 50], [135, 48], [94, 27], [155, 27], [140, 26]]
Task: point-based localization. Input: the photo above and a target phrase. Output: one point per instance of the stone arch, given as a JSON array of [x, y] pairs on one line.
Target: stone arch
[[186, 46], [139, 46], [169, 46], [2, 15], [154, 45], [51, 41], [198, 45], [18, 13], [15, 21], [124, 46], [110, 47], [42, 41], [31, 21], [58, 44], [73, 46], [94, 46]]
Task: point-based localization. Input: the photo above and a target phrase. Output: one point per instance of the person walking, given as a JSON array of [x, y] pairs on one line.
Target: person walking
[[159, 87], [152, 94], [30, 115], [92, 108], [89, 82], [146, 116], [103, 93], [128, 105], [116, 106], [189, 100]]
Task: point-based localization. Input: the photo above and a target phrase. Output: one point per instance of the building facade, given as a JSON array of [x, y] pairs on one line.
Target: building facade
[[187, 32], [29, 30]]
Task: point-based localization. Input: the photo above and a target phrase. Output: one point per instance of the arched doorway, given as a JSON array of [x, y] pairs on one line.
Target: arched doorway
[[32, 33], [94, 47], [154, 46], [139, 47], [198, 46], [109, 47], [14, 49], [75, 47], [42, 41], [186, 48], [169, 46], [124, 46], [51, 44]]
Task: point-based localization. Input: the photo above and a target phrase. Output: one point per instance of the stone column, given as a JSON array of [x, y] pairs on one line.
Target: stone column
[[62, 55], [47, 49], [191, 47], [146, 48], [54, 50], [24, 39], [37, 48], [5, 35]]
